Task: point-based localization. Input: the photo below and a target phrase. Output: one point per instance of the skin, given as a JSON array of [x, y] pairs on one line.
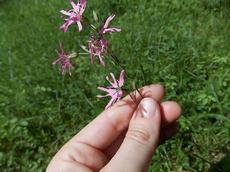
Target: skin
[[122, 138]]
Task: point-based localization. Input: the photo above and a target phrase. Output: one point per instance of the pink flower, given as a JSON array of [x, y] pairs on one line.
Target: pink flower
[[97, 47], [63, 61], [105, 28], [74, 15], [114, 91]]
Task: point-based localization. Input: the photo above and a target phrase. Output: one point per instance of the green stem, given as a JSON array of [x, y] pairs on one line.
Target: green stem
[[121, 67]]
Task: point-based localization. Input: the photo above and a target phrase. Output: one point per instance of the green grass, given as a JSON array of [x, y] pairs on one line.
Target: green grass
[[182, 44]]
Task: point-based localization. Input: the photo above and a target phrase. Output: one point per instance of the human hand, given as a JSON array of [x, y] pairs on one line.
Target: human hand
[[123, 138]]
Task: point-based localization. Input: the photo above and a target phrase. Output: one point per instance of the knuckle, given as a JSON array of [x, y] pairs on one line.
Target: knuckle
[[139, 135]]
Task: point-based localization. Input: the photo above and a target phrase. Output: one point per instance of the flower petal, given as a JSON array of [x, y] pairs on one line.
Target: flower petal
[[103, 89], [102, 96], [57, 61], [75, 6], [111, 102], [111, 30], [83, 2], [122, 78], [101, 60], [66, 25], [108, 20], [115, 82], [79, 26], [83, 6], [65, 12]]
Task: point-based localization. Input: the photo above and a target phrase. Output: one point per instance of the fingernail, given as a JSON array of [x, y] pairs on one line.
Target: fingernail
[[147, 108]]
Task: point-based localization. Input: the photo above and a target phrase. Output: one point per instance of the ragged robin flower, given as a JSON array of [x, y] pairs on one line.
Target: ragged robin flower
[[114, 90], [98, 45], [63, 61], [74, 15]]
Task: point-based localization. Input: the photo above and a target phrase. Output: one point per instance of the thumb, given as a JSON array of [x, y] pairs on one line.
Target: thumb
[[141, 139]]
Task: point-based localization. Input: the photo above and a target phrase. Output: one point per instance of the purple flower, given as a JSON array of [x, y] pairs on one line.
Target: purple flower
[[63, 61], [74, 15], [105, 28], [114, 91], [97, 47]]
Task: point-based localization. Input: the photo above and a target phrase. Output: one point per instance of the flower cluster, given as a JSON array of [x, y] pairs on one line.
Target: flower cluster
[[97, 48]]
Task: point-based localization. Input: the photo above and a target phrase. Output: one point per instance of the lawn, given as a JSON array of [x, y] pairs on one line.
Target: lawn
[[182, 44]]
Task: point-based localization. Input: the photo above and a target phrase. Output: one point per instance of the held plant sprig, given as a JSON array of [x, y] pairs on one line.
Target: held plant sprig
[[98, 47]]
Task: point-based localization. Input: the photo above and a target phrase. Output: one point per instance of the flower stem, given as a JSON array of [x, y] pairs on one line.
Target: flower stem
[[116, 60]]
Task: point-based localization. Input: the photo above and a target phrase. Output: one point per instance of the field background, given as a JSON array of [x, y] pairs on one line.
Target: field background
[[182, 44]]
